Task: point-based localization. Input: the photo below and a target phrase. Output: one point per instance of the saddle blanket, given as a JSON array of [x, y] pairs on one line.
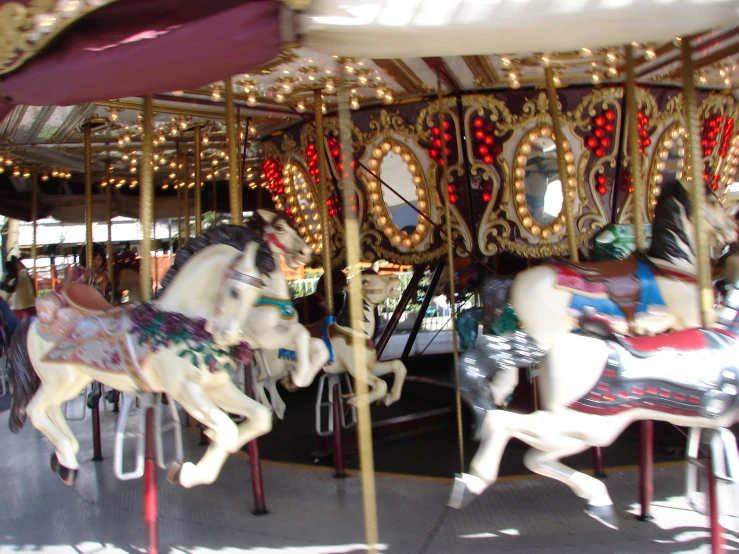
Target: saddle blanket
[[100, 343], [595, 295]]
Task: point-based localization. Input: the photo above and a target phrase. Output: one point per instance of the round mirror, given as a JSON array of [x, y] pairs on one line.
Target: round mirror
[[668, 163], [537, 184], [542, 184], [303, 204], [396, 210]]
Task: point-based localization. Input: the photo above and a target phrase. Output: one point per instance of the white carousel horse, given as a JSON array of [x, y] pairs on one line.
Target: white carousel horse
[[375, 289], [179, 344], [591, 390], [639, 296], [272, 324]]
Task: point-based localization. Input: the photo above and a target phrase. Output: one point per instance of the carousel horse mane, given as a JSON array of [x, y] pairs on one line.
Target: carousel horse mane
[[343, 317], [235, 236], [668, 229]]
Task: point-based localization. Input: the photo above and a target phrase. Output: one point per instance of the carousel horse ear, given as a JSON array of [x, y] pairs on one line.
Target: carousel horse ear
[[376, 267], [268, 216]]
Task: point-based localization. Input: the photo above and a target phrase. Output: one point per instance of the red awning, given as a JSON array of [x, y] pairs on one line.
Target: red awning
[[138, 47]]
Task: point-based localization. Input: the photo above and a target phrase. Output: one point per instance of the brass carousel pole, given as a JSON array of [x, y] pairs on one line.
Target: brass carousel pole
[[559, 140], [638, 198], [109, 213], [450, 263], [34, 217], [364, 421], [198, 185], [234, 191], [322, 184], [178, 186], [146, 208], [87, 131], [698, 190], [646, 454], [186, 195]]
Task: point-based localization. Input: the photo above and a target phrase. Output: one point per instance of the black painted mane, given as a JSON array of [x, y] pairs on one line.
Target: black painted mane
[[232, 235], [667, 228], [343, 318]]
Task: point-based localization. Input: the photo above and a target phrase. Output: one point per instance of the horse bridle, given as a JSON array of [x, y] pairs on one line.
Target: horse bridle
[[233, 274]]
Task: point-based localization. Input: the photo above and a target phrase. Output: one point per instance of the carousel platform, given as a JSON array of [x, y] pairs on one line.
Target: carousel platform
[[313, 513]]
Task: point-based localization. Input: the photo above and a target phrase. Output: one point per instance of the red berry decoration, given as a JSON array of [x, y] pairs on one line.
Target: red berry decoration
[[600, 121], [478, 122], [610, 115]]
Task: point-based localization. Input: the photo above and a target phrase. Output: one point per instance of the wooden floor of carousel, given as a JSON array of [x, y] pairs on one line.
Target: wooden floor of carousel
[[313, 513]]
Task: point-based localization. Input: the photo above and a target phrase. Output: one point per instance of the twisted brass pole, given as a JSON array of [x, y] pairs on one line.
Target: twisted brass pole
[[234, 190], [109, 212], [198, 183], [186, 195], [698, 190], [450, 262], [638, 198], [564, 175], [146, 179], [87, 132], [322, 184], [34, 217], [364, 418]]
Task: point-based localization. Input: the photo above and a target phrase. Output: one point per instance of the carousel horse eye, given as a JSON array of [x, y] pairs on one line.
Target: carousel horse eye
[[234, 293]]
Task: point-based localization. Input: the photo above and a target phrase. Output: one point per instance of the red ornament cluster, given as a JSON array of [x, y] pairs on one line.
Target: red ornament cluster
[[642, 122], [487, 192], [483, 140], [272, 170], [311, 154], [602, 138], [435, 149], [710, 139]]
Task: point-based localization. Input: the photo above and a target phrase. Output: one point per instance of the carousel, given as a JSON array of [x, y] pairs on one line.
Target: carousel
[[370, 235]]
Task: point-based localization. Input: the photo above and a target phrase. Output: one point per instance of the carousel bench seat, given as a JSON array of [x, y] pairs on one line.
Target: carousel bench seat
[[85, 299]]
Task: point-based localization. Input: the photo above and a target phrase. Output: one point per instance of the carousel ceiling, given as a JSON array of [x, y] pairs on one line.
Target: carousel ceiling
[[280, 94]]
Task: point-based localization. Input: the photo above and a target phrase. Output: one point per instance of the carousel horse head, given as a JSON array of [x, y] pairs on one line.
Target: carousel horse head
[[673, 236], [283, 238], [377, 288]]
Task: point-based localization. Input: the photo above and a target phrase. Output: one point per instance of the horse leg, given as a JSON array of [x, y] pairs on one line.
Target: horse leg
[[65, 393], [486, 463], [311, 356], [220, 429], [600, 505], [397, 368], [48, 394], [258, 418]]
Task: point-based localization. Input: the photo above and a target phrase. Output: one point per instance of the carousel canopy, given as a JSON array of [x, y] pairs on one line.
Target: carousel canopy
[[92, 60], [420, 28]]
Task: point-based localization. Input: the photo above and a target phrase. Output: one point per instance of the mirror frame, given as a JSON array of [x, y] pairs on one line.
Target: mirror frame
[[376, 195], [290, 171], [674, 131], [519, 182]]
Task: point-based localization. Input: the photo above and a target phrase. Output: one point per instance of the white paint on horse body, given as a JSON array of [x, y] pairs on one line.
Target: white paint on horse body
[[575, 364], [375, 290], [207, 396]]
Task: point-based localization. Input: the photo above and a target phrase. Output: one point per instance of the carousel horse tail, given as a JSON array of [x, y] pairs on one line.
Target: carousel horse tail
[[488, 372], [22, 377]]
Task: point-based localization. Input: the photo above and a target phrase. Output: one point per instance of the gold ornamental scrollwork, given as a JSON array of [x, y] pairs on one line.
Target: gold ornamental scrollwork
[[507, 223], [26, 29]]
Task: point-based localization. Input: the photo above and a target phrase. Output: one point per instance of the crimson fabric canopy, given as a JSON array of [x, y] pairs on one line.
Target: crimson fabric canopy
[[138, 47]]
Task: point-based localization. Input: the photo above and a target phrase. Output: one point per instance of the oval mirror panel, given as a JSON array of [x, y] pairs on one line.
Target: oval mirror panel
[[669, 162], [303, 204], [543, 187], [396, 210]]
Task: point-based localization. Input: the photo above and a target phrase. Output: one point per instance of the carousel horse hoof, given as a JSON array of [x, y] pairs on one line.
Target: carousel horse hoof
[[112, 396], [67, 475], [173, 474], [93, 400], [605, 514], [54, 463], [461, 496], [288, 384]]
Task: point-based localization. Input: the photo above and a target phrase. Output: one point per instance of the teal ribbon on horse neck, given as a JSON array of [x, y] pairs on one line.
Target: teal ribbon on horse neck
[[285, 306]]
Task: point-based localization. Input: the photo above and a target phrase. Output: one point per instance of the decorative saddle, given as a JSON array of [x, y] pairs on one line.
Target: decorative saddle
[[691, 372], [615, 287]]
